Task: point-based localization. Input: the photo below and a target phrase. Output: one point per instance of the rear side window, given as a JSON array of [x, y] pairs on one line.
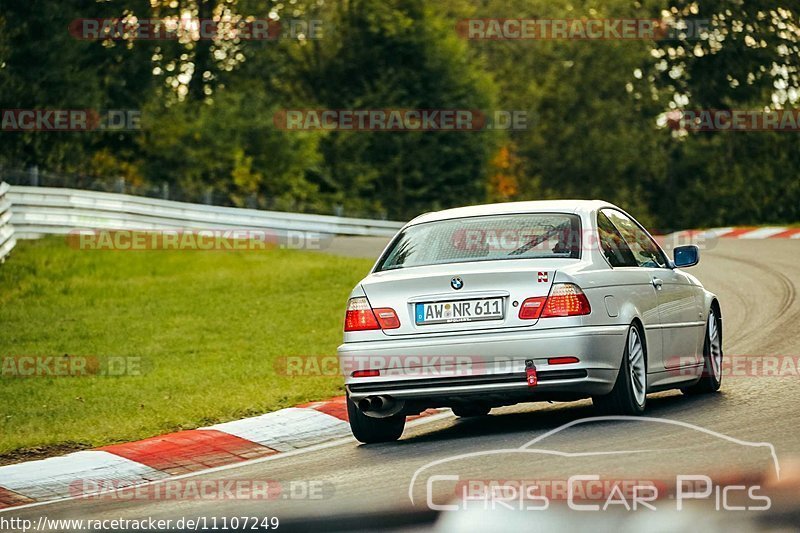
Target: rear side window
[[486, 238], [613, 245], [645, 251]]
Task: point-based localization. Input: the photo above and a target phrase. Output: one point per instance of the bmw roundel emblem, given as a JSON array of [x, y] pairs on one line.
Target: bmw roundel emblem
[[456, 283]]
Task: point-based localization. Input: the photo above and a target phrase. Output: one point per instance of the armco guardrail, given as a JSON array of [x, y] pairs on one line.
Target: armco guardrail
[[38, 211], [7, 237], [46, 210]]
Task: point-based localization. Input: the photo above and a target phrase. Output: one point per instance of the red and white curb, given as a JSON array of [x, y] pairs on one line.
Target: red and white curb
[[176, 454], [771, 232]]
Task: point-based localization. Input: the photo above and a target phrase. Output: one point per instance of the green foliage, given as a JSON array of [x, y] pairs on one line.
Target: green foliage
[[230, 142], [748, 59], [398, 55], [42, 66], [595, 109]]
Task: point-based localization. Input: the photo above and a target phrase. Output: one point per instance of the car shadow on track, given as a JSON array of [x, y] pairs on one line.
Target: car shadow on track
[[543, 417]]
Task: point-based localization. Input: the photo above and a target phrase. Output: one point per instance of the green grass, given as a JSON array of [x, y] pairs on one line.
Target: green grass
[[208, 328]]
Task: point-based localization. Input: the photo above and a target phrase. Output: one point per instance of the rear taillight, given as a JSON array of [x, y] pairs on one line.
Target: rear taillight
[[360, 316], [566, 299], [387, 318], [532, 308]]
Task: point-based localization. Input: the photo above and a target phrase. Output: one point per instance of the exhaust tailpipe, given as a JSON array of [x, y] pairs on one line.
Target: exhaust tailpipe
[[380, 406]]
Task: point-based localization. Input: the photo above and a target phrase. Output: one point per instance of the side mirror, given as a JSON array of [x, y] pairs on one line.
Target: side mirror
[[686, 256]]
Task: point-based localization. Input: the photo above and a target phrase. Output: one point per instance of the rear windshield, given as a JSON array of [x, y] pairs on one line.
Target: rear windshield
[[487, 238]]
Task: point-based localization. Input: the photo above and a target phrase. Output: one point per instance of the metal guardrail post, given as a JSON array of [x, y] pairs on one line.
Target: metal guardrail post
[[33, 175]]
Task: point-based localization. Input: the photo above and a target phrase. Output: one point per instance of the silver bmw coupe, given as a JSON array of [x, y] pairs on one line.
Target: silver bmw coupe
[[484, 306]]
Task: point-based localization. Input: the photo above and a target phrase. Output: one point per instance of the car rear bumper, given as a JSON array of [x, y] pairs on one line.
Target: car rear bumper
[[487, 367]]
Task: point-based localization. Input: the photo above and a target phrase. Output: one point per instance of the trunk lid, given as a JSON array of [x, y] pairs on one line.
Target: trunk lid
[[491, 285]]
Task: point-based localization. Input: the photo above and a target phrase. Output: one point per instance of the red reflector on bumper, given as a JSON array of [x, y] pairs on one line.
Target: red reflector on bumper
[[366, 373], [562, 360]]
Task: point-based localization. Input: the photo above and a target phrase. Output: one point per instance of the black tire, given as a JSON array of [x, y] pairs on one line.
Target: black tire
[[622, 398], [371, 430], [711, 379], [466, 411]]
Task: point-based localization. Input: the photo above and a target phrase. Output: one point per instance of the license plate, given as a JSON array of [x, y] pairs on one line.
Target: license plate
[[459, 311]]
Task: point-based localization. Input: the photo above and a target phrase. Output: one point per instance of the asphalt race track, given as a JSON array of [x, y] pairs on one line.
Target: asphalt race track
[[757, 283]]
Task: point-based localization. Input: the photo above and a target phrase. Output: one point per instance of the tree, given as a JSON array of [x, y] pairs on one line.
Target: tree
[[401, 55], [589, 136], [747, 58]]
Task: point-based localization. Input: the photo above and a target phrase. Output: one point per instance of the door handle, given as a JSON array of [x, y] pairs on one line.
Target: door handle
[[657, 283]]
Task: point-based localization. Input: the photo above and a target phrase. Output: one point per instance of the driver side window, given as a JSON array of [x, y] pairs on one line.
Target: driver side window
[[644, 250]]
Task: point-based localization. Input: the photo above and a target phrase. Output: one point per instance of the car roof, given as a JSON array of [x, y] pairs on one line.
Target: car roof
[[538, 206]]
